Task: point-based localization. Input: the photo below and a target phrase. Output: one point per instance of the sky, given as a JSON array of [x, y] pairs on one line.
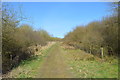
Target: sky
[[59, 18]]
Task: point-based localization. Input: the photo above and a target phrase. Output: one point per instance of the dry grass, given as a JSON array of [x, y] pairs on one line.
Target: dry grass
[[28, 68], [85, 65]]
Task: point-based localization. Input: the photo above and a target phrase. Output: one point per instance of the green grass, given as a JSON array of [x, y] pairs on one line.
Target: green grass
[[29, 68], [84, 67]]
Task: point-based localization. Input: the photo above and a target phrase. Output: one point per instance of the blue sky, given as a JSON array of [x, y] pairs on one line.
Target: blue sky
[[59, 18]]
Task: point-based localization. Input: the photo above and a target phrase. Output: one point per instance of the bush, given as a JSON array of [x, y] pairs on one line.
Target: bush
[[91, 37], [17, 39]]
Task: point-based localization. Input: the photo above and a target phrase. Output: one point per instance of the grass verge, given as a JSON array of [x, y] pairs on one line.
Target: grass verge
[[29, 68], [85, 65]]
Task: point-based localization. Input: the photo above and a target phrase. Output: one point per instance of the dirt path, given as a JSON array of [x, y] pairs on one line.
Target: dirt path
[[54, 65]]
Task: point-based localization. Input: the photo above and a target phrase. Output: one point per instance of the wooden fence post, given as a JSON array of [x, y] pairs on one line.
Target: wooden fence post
[[90, 49], [10, 62], [102, 53]]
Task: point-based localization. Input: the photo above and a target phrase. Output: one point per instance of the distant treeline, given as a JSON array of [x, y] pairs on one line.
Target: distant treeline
[[96, 35], [17, 38]]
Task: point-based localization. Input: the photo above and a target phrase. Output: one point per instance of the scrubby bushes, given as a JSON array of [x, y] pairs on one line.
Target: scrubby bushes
[[96, 35], [17, 38]]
